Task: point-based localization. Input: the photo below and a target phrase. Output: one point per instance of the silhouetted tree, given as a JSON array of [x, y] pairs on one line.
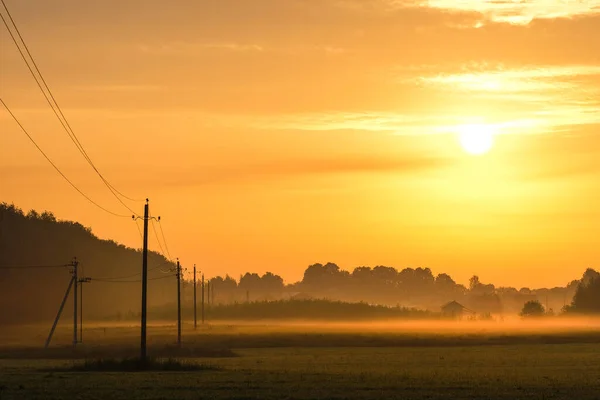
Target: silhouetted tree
[[385, 275], [258, 287], [250, 282], [323, 277], [533, 308], [587, 296], [272, 283], [480, 289]]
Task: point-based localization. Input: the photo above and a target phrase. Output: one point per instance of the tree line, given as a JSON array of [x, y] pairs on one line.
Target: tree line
[[37, 239], [383, 285]]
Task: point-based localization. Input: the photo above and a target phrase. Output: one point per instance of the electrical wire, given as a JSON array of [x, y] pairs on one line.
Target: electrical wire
[[139, 229], [33, 266], [54, 165], [157, 239], [132, 281], [136, 274], [164, 239], [54, 104]]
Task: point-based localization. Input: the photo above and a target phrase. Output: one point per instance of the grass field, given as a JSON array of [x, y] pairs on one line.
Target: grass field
[[287, 362]]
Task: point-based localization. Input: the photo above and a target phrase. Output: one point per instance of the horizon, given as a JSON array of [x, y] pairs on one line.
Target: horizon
[[456, 137]]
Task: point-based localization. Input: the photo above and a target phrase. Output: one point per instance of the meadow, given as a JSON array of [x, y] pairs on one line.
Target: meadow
[[305, 360]]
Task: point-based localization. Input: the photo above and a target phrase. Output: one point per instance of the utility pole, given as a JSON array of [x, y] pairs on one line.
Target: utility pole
[[202, 290], [195, 315], [144, 313], [178, 303], [75, 264], [82, 281], [208, 293], [60, 309], [144, 285]]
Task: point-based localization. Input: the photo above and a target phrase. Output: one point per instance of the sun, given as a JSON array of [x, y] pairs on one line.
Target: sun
[[476, 139]]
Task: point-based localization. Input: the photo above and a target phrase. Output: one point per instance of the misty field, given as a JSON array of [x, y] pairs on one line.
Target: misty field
[[304, 361]]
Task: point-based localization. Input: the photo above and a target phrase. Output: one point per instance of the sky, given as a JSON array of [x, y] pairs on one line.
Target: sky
[[273, 134]]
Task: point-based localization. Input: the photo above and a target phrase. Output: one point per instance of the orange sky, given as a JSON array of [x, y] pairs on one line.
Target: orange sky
[[272, 134]]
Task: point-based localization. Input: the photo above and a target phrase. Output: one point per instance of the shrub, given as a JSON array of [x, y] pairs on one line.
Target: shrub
[[533, 308]]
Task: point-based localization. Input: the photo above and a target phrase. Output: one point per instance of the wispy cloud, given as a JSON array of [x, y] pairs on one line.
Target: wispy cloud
[[532, 79], [280, 169], [119, 88], [543, 98], [191, 47], [520, 11]]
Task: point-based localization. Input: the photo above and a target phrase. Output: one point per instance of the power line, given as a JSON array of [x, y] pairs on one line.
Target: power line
[[156, 236], [54, 165], [32, 266], [164, 240], [131, 281], [54, 104], [139, 230], [132, 275]]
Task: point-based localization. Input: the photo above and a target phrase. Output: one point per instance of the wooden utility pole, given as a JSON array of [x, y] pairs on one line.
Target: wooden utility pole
[[178, 303], [60, 309], [75, 264], [82, 281], [195, 315], [202, 294], [144, 286], [62, 305], [208, 293]]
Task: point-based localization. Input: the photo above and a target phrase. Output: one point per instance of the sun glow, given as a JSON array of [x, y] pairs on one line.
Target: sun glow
[[476, 139]]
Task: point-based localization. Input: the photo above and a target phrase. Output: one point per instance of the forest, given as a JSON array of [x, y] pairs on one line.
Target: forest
[[29, 294], [41, 241]]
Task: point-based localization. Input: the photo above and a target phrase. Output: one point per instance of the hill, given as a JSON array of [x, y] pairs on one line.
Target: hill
[[39, 240]]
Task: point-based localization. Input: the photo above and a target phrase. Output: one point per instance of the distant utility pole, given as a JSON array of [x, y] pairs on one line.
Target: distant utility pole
[[60, 309], [208, 293], [178, 303], [75, 264], [202, 290], [195, 315], [81, 281]]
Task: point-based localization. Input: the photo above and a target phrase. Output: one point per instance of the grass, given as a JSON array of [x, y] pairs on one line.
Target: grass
[[494, 372], [302, 362], [126, 351], [134, 365]]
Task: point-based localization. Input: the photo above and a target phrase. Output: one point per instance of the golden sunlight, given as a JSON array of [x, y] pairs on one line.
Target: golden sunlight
[[476, 139]]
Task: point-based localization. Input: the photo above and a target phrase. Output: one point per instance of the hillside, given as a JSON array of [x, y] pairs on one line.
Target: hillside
[[34, 294]]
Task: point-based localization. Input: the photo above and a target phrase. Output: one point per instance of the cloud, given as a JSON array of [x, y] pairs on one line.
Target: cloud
[[549, 96], [119, 88], [520, 12], [301, 167], [527, 79], [326, 65], [189, 48]]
